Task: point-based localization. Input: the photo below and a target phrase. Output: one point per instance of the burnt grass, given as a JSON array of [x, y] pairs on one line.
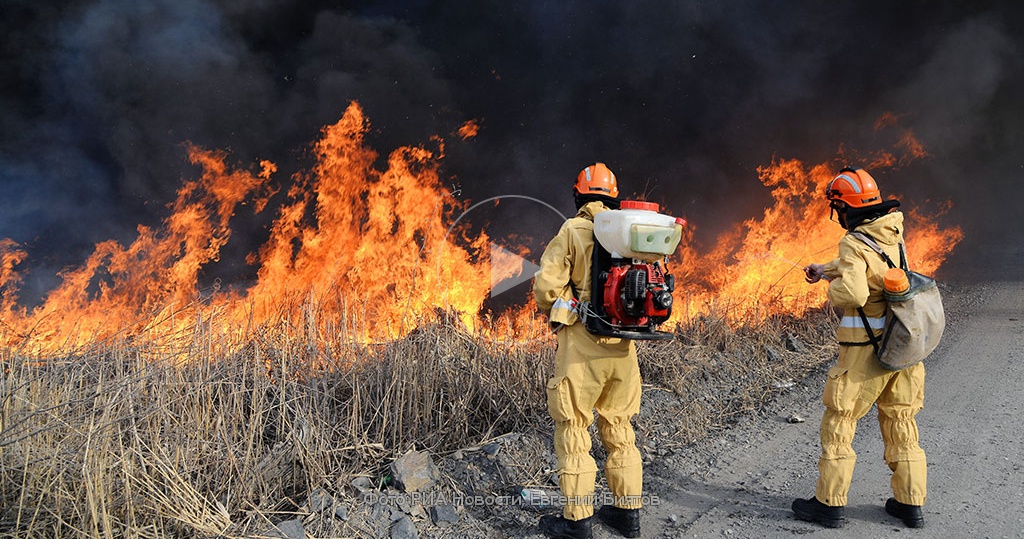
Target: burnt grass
[[116, 441]]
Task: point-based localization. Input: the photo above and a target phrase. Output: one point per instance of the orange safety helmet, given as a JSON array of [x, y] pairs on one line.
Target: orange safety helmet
[[855, 187], [597, 179]]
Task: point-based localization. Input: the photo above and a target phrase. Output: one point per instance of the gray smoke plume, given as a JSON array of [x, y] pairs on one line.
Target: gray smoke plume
[[682, 99]]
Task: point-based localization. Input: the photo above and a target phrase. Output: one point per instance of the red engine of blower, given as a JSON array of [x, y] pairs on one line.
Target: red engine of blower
[[637, 296]]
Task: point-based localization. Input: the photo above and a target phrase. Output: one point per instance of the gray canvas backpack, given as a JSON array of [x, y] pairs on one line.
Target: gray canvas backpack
[[914, 318]]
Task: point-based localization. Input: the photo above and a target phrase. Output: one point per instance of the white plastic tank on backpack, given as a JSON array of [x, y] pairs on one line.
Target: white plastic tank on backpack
[[638, 231]]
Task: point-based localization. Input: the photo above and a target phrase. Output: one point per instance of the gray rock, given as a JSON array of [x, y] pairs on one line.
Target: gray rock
[[403, 528], [380, 511], [414, 471], [444, 515], [363, 484], [319, 500], [535, 498], [409, 506], [794, 344], [289, 529]]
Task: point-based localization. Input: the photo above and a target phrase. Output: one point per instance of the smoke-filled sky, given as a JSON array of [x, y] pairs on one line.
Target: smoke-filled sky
[[682, 99]]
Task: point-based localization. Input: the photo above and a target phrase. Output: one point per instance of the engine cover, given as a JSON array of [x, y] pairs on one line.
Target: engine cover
[[637, 296]]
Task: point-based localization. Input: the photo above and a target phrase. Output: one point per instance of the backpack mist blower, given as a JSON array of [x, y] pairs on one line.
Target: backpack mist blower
[[631, 291]]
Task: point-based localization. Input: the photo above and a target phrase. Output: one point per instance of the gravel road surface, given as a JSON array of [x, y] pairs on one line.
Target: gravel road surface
[[741, 483]]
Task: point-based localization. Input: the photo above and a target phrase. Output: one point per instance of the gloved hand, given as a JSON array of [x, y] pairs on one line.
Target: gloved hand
[[814, 272]]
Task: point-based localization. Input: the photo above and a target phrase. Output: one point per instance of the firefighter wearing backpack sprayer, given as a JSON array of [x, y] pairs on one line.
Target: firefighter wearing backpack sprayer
[[859, 380], [591, 373]]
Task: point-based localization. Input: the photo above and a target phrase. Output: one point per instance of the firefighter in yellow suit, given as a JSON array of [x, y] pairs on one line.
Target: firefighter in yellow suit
[[591, 373], [858, 380]]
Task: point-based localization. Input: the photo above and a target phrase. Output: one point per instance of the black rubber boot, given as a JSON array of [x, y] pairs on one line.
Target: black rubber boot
[[911, 515], [812, 510], [563, 528], [624, 521]]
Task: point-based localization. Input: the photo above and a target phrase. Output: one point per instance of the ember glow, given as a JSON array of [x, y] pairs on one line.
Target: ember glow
[[469, 129], [359, 255]]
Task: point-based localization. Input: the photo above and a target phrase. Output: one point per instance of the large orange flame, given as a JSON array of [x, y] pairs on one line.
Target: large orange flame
[[357, 254], [379, 248]]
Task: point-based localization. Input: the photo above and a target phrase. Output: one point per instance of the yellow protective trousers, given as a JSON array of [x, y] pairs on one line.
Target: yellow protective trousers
[[595, 373], [856, 382]]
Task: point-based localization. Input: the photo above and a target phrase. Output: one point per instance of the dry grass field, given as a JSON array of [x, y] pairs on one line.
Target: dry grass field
[[120, 441]]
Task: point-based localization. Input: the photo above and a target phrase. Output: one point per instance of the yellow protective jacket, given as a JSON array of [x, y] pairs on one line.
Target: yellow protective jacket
[[564, 275], [856, 277]]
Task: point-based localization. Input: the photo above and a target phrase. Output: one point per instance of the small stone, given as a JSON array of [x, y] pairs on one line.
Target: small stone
[[794, 344], [403, 528], [404, 504], [794, 418], [535, 498], [414, 471], [492, 448], [380, 511], [443, 515], [289, 529], [363, 484], [341, 512], [409, 507], [319, 500]]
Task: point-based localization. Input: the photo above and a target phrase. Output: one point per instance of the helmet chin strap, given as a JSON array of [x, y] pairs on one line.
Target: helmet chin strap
[[835, 209]]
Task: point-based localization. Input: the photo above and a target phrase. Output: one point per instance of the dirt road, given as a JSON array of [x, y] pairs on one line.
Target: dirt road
[[741, 484]]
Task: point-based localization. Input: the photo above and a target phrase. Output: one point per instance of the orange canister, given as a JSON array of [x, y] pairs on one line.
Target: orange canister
[[895, 280]]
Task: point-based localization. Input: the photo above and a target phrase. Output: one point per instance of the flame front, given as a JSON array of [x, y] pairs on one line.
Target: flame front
[[357, 254], [374, 260]]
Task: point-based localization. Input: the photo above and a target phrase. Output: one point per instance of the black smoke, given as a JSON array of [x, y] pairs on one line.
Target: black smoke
[[682, 99]]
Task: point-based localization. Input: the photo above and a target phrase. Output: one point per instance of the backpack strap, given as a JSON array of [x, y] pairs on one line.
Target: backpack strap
[[870, 242], [867, 329]]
